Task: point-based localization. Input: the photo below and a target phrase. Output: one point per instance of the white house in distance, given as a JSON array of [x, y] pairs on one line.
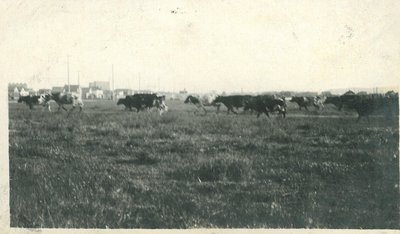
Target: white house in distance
[[103, 85], [57, 89], [74, 90], [16, 89], [121, 93], [92, 93]]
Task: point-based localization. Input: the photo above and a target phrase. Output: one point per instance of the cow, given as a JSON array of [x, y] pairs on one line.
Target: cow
[[266, 103], [64, 99], [365, 105], [144, 101], [32, 100], [334, 100], [303, 101], [161, 105], [126, 102], [233, 101], [195, 101]]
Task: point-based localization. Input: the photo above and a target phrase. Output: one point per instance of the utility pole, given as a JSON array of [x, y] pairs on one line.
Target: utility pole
[[139, 82], [112, 81], [69, 87]]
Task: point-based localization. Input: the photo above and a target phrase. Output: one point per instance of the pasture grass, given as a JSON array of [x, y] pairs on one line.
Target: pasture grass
[[110, 168]]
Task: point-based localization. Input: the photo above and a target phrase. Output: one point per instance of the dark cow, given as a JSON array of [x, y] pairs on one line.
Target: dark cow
[[31, 100], [131, 101], [341, 101], [64, 99], [366, 105], [334, 100], [307, 101], [233, 101], [266, 103], [195, 101], [144, 101]]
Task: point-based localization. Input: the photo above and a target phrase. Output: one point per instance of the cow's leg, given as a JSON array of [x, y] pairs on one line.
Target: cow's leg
[[70, 111], [229, 109], [233, 111], [266, 113], [205, 111], [62, 106], [305, 107], [258, 114]]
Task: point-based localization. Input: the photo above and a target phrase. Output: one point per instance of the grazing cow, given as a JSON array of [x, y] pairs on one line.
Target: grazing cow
[[144, 101], [233, 101], [195, 101], [266, 103], [32, 100], [308, 101], [64, 99]]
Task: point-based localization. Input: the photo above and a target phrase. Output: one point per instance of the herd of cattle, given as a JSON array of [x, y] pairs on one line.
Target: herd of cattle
[[365, 105]]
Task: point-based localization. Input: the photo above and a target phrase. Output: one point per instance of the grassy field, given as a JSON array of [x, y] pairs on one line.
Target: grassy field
[[110, 168]]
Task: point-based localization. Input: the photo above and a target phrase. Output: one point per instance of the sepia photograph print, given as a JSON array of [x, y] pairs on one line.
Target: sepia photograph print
[[200, 115]]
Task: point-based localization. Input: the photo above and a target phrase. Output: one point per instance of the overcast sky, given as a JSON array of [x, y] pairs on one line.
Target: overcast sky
[[202, 45]]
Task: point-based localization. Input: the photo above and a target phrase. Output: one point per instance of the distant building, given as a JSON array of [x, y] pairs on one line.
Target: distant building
[[86, 92], [95, 93], [32, 92], [107, 94], [121, 93], [103, 85], [74, 89], [14, 90], [57, 89], [44, 91], [349, 93], [184, 91], [24, 92]]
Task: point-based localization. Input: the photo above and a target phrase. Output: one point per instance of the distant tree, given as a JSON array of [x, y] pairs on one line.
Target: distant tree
[[285, 93], [362, 93], [326, 93]]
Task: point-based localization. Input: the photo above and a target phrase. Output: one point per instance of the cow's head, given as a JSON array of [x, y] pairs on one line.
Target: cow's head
[[160, 104], [294, 99], [121, 101], [281, 102], [41, 99], [218, 99], [188, 99]]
